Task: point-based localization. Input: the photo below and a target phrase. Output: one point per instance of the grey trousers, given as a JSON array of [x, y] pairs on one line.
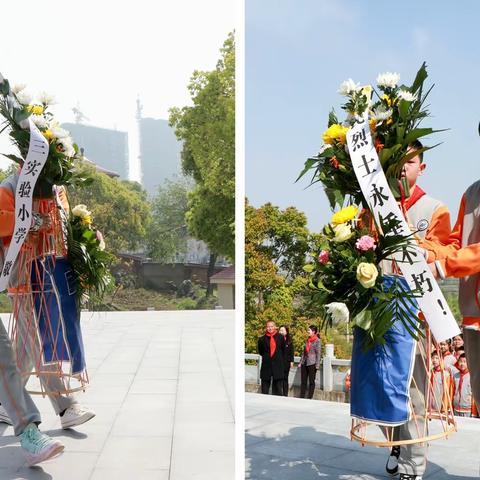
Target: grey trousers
[[28, 347], [413, 458], [471, 339], [13, 396]]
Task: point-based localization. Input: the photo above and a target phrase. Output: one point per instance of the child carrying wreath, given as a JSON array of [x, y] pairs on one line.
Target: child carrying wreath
[[370, 271], [50, 259]]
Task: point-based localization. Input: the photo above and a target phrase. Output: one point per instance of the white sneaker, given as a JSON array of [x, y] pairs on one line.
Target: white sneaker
[[76, 415], [4, 416]]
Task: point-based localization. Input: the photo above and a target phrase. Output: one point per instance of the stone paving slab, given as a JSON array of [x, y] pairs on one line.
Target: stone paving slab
[[162, 386], [293, 439]]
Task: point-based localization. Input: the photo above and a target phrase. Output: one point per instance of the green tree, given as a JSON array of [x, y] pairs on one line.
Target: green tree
[[10, 170], [167, 234], [120, 209], [277, 243], [207, 130]]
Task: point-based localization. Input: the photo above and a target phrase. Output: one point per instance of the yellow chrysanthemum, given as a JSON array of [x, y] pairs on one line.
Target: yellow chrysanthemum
[[87, 220], [390, 101], [48, 134], [344, 215], [334, 133], [35, 109], [373, 124]]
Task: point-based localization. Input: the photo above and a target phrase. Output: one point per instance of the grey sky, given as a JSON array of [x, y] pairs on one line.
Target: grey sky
[[101, 54]]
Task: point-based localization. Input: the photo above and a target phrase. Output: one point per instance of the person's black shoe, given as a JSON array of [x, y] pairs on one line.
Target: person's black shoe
[[392, 462]]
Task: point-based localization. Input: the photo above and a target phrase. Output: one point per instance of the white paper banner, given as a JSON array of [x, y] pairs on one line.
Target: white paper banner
[[411, 262], [36, 158]]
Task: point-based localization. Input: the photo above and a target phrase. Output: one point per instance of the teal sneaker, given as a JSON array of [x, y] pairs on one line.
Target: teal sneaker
[[37, 446]]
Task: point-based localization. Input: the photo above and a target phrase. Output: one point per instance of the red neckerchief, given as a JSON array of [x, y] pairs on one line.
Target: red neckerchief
[[273, 344], [310, 340], [418, 193]]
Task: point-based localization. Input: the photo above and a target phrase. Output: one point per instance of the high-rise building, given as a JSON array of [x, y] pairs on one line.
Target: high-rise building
[[104, 147], [159, 153]]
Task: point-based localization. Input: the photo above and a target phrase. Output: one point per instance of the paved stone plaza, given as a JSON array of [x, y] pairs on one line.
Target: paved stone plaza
[[296, 439], [162, 387]]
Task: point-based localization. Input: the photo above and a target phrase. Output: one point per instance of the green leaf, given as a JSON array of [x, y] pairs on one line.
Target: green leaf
[[15, 158], [420, 77], [308, 268], [403, 109], [5, 87], [363, 319], [332, 118], [308, 165], [21, 115]]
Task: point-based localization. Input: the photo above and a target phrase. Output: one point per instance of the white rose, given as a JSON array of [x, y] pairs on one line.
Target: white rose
[[18, 88], [367, 274], [81, 211], [338, 311], [342, 231], [24, 97], [348, 87], [407, 96], [388, 79]]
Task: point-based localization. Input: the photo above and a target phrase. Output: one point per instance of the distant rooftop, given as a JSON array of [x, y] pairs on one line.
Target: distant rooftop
[[225, 276]]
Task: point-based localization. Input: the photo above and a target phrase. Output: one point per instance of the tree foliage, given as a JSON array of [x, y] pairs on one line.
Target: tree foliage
[[207, 130], [167, 234], [120, 209], [277, 243]]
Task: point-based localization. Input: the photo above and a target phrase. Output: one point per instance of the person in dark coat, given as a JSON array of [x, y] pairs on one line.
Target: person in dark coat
[[310, 362], [289, 357], [271, 347]]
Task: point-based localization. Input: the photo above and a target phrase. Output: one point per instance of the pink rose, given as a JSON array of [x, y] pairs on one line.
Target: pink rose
[[364, 243], [323, 257]]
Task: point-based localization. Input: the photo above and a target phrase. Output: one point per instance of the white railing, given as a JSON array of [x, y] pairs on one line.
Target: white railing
[[328, 366]]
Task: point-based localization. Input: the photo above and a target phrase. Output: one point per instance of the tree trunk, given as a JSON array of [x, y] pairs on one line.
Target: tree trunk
[[211, 269]]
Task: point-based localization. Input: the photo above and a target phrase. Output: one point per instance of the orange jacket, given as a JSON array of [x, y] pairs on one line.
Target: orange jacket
[[457, 260]]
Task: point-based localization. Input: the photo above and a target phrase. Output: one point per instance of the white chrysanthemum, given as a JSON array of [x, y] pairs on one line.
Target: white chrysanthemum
[[46, 99], [338, 311], [81, 211], [24, 97], [348, 87], [59, 132], [406, 95], [66, 143], [380, 114], [18, 87], [40, 121], [388, 79]]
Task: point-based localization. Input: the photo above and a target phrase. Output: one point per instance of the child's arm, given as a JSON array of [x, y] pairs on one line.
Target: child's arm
[[453, 259], [7, 212], [439, 229]]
